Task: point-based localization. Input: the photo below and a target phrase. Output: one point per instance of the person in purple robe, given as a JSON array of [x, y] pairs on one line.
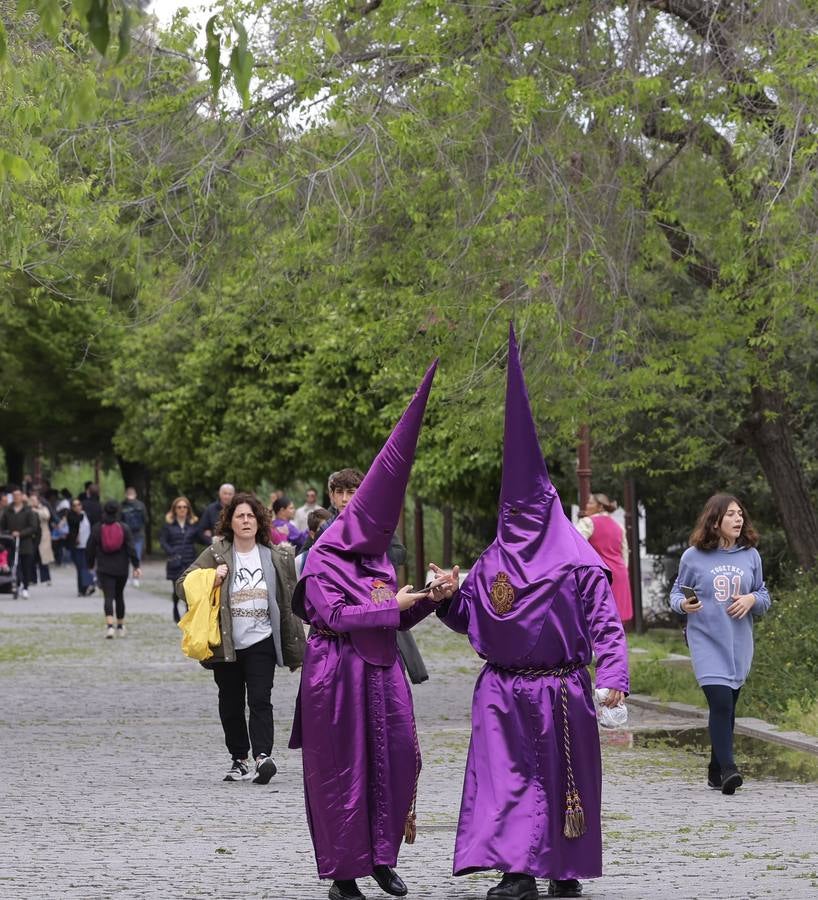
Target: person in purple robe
[[536, 605], [354, 720]]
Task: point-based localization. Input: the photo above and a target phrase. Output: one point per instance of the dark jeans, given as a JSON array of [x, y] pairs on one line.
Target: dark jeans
[[251, 674], [84, 577], [113, 587], [722, 701], [42, 572]]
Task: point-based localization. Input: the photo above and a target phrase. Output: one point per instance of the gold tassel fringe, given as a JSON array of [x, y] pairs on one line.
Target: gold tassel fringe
[[574, 816], [410, 830]]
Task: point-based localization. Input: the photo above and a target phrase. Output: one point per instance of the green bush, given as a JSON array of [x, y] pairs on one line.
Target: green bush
[[785, 665]]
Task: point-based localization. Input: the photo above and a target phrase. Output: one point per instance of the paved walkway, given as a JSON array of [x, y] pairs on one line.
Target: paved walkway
[[113, 758]]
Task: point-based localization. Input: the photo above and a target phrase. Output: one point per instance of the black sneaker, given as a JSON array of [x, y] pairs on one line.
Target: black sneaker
[[564, 887], [714, 778], [265, 769], [730, 780], [238, 771]]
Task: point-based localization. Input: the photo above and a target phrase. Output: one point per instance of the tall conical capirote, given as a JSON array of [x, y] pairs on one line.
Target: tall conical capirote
[[367, 524], [525, 476], [519, 575]]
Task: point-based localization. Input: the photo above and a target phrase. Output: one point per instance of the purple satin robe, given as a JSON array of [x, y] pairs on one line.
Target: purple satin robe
[[354, 723], [512, 810]]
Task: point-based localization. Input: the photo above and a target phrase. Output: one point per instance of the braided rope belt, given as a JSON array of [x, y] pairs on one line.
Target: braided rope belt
[[574, 825], [325, 632]]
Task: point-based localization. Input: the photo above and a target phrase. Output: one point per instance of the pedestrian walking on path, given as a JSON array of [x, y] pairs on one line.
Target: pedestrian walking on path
[[79, 531], [608, 538], [354, 720], [44, 554], [110, 550], [178, 538], [537, 606], [720, 589], [19, 520], [257, 627]]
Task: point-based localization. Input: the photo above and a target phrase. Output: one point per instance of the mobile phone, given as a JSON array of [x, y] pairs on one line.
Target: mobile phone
[[689, 593], [427, 589]]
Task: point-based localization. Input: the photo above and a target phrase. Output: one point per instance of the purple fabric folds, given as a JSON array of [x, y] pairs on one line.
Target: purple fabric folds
[[354, 719], [537, 598]]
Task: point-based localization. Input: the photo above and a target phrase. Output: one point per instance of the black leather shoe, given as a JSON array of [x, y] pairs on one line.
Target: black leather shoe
[[730, 780], [564, 887], [514, 887], [714, 778], [345, 890], [389, 881]]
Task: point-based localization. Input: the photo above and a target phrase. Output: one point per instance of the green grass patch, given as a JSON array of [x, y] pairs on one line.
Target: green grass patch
[[669, 683]]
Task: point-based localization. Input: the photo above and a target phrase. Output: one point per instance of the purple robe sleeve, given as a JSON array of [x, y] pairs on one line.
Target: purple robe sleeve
[[417, 613], [328, 601], [455, 611], [605, 626]]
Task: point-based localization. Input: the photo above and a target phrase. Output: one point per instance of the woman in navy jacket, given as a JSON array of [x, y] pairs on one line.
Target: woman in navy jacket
[[178, 539]]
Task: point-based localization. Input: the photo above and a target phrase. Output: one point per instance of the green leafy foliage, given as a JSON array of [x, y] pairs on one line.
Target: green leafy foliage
[[785, 666]]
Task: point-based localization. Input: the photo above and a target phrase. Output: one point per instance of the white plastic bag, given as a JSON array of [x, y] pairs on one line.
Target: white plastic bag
[[610, 717]]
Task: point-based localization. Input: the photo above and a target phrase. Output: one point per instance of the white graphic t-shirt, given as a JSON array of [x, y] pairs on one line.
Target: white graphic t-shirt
[[248, 601]]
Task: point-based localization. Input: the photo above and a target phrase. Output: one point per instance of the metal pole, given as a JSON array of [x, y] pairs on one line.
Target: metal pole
[[635, 567], [420, 559], [446, 562], [584, 466]]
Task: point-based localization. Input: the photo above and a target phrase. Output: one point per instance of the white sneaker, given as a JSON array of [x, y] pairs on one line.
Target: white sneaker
[[265, 769], [120, 630], [24, 593], [239, 771], [109, 632]]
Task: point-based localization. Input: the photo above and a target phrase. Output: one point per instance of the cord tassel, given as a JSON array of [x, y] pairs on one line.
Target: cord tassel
[[574, 814], [410, 828]]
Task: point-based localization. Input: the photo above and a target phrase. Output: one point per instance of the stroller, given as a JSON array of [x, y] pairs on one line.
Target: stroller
[[8, 573]]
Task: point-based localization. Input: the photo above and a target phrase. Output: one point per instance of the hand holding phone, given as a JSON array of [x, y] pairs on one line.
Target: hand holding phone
[[691, 602]]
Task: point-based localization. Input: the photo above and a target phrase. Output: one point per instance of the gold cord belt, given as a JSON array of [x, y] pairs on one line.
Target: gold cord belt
[[325, 632], [574, 826]]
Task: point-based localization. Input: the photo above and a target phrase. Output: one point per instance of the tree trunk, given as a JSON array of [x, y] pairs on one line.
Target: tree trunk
[[767, 431], [15, 464]]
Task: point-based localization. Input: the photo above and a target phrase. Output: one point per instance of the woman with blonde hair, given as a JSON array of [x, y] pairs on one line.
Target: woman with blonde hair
[[178, 539]]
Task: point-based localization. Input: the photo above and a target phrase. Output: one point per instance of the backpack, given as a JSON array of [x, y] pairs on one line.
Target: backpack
[[111, 537], [133, 517]]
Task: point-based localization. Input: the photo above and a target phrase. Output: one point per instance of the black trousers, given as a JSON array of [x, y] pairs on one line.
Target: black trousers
[[250, 676], [722, 701], [113, 588], [26, 569]]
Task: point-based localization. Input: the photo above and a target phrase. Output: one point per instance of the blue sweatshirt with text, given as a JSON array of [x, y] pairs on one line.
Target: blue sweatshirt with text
[[721, 647]]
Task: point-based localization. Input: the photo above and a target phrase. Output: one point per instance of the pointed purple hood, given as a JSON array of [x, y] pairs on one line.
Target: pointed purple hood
[[351, 554], [367, 524], [518, 575]]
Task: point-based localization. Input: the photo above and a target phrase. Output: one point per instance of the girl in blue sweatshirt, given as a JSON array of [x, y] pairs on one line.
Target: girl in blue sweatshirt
[[720, 587]]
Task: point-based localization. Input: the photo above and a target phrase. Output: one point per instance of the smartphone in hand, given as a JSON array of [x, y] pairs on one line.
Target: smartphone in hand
[[689, 593]]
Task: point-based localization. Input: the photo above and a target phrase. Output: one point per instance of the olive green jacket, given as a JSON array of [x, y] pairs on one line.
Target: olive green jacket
[[279, 574]]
